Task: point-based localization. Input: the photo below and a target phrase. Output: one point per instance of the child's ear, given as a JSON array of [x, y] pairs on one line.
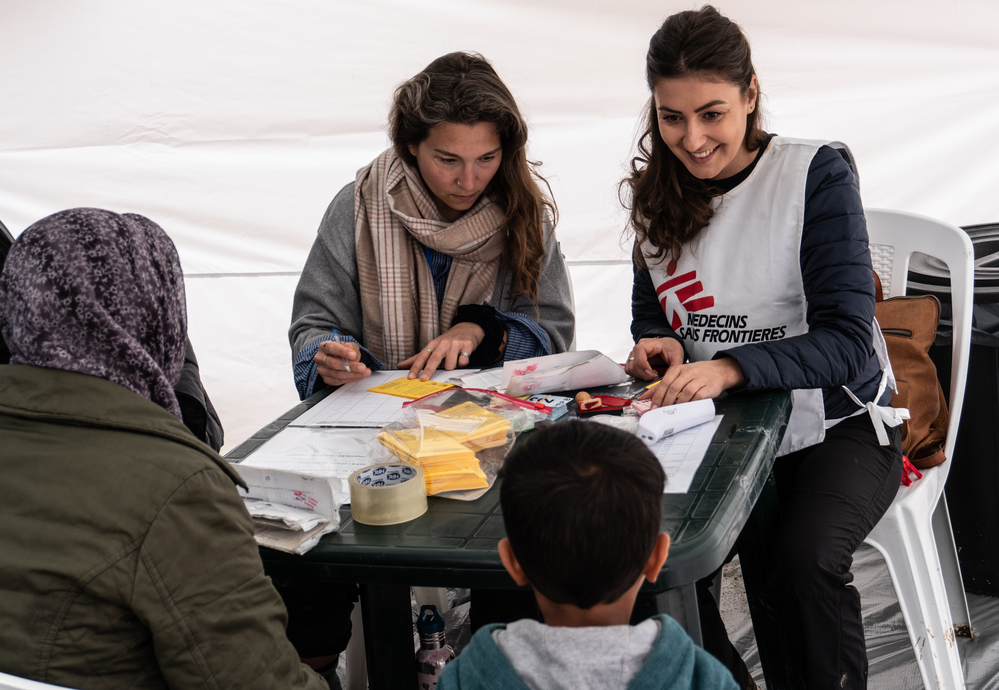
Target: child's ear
[[510, 562], [656, 558]]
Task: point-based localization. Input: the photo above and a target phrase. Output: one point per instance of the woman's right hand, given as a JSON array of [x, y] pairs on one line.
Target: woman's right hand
[[668, 349], [329, 362]]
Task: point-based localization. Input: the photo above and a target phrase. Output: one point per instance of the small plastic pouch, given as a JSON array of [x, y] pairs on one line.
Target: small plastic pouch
[[459, 437]]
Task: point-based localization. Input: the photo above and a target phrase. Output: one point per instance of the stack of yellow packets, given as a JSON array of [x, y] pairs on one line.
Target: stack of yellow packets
[[445, 445]]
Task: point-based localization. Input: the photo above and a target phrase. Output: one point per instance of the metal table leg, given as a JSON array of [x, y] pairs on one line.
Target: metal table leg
[[679, 603], [388, 636]]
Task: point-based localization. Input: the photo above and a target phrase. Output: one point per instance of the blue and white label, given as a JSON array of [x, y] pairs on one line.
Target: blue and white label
[[385, 475]]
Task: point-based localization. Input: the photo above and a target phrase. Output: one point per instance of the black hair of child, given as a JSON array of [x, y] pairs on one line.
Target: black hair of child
[[582, 506]]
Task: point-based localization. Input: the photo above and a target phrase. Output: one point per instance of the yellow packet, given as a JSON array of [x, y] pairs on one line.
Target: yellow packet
[[410, 388]]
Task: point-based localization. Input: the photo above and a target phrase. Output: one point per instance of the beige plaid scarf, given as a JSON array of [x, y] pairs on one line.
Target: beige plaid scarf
[[394, 218]]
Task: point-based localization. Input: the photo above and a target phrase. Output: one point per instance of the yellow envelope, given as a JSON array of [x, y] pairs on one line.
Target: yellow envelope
[[410, 388]]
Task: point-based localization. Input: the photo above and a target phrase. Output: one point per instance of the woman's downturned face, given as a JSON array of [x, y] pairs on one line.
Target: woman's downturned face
[[457, 163]]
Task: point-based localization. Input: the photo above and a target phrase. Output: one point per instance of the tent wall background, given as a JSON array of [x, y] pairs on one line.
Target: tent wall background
[[233, 124]]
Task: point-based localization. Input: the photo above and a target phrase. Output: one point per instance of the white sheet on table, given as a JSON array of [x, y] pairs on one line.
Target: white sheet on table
[[324, 452], [353, 405], [681, 454]]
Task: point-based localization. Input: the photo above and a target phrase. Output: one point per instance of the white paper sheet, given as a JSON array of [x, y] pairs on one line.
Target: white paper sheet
[[312, 493], [681, 454], [304, 492], [321, 452], [290, 541], [486, 379], [282, 516], [352, 405], [561, 372]]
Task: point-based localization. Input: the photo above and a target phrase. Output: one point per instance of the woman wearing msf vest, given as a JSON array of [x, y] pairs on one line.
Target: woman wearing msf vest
[[752, 271]]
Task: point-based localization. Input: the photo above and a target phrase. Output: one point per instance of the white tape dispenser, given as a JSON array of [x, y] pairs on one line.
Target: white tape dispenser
[[672, 419]]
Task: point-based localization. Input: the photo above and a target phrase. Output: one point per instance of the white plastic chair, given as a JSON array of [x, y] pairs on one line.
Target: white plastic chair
[[915, 535], [8, 682]]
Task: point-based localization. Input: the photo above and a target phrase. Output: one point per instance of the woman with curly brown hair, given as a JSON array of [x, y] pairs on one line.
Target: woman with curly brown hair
[[442, 252], [752, 271]]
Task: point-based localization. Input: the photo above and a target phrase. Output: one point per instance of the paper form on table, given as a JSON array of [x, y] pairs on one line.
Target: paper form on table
[[681, 454], [353, 405]]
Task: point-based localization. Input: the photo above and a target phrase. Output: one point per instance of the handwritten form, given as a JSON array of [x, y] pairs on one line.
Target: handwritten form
[[681, 454], [353, 405]]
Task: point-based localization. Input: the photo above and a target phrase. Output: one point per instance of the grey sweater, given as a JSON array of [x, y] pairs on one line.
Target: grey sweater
[[526, 655], [327, 295]]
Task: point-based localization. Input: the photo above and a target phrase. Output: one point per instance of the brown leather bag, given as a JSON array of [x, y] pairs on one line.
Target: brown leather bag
[[909, 325]]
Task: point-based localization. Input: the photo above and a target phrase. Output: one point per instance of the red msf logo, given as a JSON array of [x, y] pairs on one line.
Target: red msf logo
[[678, 296]]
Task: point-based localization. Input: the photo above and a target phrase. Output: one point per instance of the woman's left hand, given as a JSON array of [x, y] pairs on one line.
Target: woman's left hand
[[696, 381], [453, 349]]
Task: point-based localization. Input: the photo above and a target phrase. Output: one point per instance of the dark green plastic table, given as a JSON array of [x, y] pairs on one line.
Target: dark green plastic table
[[454, 543]]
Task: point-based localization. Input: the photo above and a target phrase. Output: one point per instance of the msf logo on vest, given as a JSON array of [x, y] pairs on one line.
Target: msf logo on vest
[[680, 295]]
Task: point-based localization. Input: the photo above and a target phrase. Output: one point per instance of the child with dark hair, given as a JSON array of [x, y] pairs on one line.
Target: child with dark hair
[[582, 506]]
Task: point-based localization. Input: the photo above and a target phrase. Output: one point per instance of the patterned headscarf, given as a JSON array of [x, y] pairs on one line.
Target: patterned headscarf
[[98, 293]]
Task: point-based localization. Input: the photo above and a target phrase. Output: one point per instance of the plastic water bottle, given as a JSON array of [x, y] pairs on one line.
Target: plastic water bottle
[[434, 651]]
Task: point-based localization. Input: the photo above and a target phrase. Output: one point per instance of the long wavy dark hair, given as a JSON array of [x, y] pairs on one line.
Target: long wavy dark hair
[[669, 206], [463, 88]]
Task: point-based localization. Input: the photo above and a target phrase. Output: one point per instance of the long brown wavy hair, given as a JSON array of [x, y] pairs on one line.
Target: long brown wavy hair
[[463, 88], [669, 206]]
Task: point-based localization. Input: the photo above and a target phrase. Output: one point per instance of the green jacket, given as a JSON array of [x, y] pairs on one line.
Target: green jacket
[[127, 558]]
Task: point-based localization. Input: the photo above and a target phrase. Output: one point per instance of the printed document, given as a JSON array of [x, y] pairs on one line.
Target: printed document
[[681, 454], [354, 405]]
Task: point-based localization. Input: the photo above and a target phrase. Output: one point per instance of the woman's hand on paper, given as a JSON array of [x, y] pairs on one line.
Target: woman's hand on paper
[[669, 350], [329, 361], [695, 381], [452, 350]]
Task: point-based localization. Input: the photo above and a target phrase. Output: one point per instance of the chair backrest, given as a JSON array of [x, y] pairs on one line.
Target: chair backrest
[[894, 237], [847, 155], [6, 240], [8, 682]]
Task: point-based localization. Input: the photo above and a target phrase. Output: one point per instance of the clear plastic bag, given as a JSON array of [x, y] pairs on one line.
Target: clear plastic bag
[[458, 436]]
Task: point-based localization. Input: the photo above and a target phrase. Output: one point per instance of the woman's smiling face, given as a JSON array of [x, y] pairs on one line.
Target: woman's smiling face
[[704, 124]]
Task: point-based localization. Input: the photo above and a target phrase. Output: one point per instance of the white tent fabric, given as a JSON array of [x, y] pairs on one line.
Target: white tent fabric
[[233, 123]]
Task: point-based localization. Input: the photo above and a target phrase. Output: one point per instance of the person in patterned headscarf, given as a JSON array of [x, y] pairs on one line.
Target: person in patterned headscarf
[[128, 557], [96, 293]]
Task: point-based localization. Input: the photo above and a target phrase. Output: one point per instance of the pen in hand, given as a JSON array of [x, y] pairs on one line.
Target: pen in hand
[[338, 339]]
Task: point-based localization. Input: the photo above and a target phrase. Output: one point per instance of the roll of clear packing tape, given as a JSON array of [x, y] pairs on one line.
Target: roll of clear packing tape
[[387, 494]]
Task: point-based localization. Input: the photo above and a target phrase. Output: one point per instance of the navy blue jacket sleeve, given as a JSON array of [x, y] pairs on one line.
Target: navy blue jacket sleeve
[[839, 288], [647, 317]]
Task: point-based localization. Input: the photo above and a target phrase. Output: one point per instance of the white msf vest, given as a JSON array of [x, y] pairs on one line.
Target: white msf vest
[[740, 281]]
